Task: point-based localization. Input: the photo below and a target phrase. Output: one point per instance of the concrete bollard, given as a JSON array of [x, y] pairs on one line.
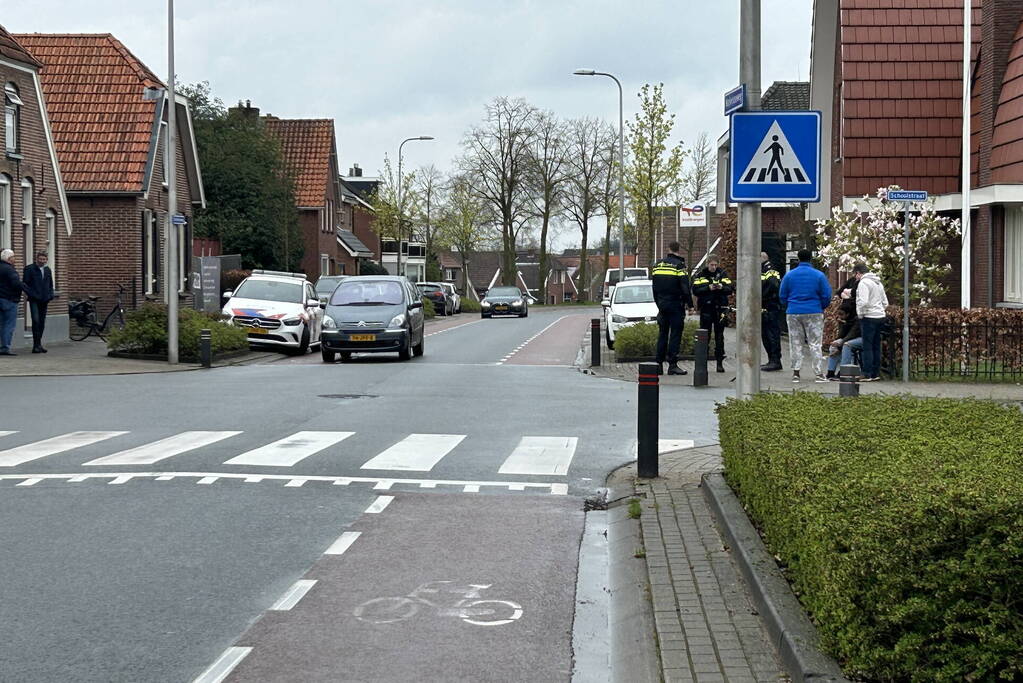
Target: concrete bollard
[[594, 342], [700, 362], [648, 408], [206, 348], [849, 380]]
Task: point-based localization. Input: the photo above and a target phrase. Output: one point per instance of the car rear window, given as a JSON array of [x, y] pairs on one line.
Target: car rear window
[[428, 288]]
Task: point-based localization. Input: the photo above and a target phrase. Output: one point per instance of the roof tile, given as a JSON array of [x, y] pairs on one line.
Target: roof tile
[[307, 146]]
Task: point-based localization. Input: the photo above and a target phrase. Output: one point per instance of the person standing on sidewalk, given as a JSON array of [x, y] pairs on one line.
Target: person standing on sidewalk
[[806, 293], [38, 281], [712, 287], [672, 296], [770, 307], [11, 289], [871, 302]]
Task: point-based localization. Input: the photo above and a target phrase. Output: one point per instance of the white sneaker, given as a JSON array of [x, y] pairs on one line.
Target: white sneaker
[[795, 376], [820, 379]]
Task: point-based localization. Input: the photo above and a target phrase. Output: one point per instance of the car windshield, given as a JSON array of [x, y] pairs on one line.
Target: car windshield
[[367, 293], [326, 285], [270, 290], [632, 294], [504, 291]]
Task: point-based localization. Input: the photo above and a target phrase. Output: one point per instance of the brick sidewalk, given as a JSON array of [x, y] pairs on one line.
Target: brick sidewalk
[[707, 628]]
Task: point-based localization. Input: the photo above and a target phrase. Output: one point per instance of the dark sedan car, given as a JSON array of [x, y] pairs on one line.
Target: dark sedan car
[[436, 294], [504, 301], [373, 314]]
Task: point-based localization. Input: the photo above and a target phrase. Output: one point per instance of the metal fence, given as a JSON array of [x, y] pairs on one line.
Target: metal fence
[[968, 351]]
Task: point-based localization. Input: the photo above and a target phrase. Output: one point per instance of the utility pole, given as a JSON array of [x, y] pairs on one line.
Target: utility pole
[[748, 257], [173, 277], [967, 180]]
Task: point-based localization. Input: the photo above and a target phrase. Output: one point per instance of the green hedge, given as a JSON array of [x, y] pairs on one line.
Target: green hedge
[[640, 340], [470, 305], [145, 332], [429, 311], [900, 523]]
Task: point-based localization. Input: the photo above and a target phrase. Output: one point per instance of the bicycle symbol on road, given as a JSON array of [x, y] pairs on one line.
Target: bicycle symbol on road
[[471, 608]]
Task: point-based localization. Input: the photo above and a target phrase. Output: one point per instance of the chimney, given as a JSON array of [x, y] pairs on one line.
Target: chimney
[[355, 171], [246, 110]]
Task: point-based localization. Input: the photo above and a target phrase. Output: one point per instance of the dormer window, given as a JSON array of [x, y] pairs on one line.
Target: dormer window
[[12, 117]]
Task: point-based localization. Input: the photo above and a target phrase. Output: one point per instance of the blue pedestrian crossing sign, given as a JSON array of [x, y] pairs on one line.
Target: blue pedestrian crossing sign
[[775, 156]]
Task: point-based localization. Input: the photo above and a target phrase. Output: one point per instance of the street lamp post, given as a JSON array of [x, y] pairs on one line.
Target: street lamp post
[[621, 167], [400, 210], [173, 276]]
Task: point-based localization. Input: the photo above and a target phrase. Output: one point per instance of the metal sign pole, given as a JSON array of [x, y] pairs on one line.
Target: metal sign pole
[[905, 296]]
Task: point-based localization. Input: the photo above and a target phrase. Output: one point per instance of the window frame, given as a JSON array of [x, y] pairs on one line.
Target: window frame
[[6, 229], [1013, 257], [165, 134], [51, 244], [12, 118], [28, 217]]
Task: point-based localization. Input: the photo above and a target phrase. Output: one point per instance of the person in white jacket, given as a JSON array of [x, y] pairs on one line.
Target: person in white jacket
[[871, 302]]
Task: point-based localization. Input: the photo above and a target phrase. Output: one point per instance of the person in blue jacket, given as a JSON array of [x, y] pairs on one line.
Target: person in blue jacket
[[805, 293]]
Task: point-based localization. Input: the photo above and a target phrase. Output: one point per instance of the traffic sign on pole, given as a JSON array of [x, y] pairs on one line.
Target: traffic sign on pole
[[775, 156], [735, 100], [907, 196], [179, 219]]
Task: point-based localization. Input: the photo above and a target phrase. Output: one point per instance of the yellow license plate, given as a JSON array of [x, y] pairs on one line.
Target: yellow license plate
[[500, 308], [363, 337], [258, 330]]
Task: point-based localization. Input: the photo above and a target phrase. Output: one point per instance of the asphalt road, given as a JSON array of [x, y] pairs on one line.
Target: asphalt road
[[151, 521]]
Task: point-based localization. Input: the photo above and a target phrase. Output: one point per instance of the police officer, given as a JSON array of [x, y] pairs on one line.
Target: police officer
[[712, 287], [672, 295], [770, 327]]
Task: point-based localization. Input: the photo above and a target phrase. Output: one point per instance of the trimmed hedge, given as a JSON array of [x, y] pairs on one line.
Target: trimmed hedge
[[470, 305], [145, 332], [640, 340], [899, 521], [429, 310]]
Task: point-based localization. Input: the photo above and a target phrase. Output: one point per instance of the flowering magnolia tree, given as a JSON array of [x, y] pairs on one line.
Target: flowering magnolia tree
[[876, 238]]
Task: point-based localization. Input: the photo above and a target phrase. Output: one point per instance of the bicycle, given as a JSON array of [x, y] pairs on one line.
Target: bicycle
[[471, 608], [82, 314]]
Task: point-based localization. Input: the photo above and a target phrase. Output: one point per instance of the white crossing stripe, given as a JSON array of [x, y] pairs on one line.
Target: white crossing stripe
[[379, 504], [343, 543], [29, 482], [225, 664], [415, 453], [3, 433], [543, 455], [56, 444], [290, 450], [294, 594], [162, 449]]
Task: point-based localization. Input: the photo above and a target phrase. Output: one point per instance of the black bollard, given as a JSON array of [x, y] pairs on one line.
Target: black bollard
[[595, 342], [205, 348], [648, 407], [700, 362], [849, 380]]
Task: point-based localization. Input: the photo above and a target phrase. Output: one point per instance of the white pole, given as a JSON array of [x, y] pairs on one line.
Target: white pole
[[173, 277], [966, 163], [905, 294]]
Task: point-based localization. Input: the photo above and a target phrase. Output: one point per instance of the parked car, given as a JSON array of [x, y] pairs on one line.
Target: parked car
[[504, 301], [277, 309], [373, 314], [437, 295], [631, 302], [456, 298], [611, 278], [326, 285]]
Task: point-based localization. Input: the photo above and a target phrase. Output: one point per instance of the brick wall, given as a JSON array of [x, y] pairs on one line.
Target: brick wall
[[362, 225]]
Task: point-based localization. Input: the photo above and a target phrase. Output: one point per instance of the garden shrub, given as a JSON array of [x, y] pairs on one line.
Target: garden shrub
[[145, 332], [899, 522], [470, 305], [429, 311], [640, 340]]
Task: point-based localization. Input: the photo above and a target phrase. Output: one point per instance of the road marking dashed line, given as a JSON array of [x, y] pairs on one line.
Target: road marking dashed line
[[225, 664], [379, 505], [526, 343], [293, 595], [343, 543]]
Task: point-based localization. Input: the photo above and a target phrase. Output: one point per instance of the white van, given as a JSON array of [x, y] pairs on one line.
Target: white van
[[611, 278]]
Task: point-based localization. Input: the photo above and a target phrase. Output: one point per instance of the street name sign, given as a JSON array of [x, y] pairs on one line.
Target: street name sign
[[735, 100], [907, 196], [179, 219], [692, 215], [775, 156]]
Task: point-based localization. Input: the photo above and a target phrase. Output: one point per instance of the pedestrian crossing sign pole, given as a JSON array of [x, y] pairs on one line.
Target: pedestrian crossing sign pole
[[775, 156]]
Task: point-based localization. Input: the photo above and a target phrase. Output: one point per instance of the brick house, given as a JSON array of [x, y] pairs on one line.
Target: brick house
[[358, 217], [111, 143], [34, 213], [310, 153], [889, 83]]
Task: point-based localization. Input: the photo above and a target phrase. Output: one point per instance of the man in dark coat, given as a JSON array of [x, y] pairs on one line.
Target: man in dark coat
[[712, 287], [11, 289], [770, 307], [672, 296], [38, 279]]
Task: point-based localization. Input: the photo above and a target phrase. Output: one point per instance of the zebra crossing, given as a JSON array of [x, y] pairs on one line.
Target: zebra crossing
[[532, 456]]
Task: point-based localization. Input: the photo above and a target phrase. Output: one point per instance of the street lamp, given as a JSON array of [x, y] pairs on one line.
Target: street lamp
[[420, 137], [621, 167], [173, 276]]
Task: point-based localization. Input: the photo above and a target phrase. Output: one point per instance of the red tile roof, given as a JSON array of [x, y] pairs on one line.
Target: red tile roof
[[1007, 144], [902, 96], [11, 49], [307, 145], [101, 125]]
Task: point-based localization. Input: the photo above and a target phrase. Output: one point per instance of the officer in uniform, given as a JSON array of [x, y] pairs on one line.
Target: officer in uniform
[[770, 327], [712, 287], [672, 296]]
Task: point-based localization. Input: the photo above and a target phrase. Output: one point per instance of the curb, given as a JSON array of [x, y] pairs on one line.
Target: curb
[[794, 636]]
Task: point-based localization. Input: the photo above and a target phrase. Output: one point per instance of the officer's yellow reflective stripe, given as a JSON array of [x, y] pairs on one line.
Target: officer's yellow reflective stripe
[[769, 274], [701, 281], [726, 281], [668, 270]]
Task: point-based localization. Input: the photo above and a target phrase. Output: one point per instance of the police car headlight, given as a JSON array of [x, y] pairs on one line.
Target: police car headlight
[[292, 321], [328, 323], [397, 321], [615, 318]]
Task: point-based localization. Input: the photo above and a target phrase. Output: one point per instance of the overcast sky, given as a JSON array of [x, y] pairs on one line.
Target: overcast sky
[[385, 70]]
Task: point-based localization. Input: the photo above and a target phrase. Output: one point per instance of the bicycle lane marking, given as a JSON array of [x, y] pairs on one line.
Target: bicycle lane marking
[[441, 587]]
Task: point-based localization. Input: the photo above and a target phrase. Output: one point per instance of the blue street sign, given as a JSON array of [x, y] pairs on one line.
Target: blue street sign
[[735, 99], [179, 219], [907, 196], [775, 156]]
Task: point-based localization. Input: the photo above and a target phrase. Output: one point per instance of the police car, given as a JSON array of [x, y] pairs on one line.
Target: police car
[[631, 303], [276, 309]]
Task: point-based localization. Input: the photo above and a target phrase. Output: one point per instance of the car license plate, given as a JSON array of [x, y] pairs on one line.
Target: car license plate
[[363, 337], [258, 330], [500, 308]]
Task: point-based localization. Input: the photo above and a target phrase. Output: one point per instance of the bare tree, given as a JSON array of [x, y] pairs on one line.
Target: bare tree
[[609, 199], [495, 162], [588, 148], [697, 184], [465, 222], [385, 204], [547, 174], [429, 186]]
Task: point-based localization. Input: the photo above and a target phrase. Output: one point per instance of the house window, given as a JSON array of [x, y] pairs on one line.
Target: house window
[[568, 296], [150, 253], [1014, 255], [27, 218], [51, 243], [324, 264], [5, 212], [166, 153], [450, 274], [341, 269], [184, 256], [12, 117], [389, 246]]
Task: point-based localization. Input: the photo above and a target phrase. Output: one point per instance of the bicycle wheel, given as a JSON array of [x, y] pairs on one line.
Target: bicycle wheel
[[81, 327], [386, 610], [490, 612]]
